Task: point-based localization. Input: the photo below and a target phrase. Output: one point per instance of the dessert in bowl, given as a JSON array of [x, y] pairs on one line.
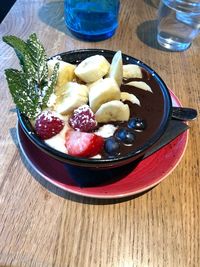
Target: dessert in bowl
[[106, 109]]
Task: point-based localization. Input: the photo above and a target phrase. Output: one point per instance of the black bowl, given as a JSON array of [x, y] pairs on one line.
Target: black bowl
[[77, 56]]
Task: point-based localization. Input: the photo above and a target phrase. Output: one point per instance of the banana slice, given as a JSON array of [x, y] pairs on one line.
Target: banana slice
[[73, 95], [52, 100], [130, 97], [116, 68], [69, 103], [92, 68], [65, 72], [107, 130], [141, 85], [102, 92], [114, 110], [132, 71], [74, 88], [89, 85]]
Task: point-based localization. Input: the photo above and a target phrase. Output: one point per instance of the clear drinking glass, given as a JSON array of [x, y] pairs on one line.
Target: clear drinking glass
[[178, 23], [92, 20]]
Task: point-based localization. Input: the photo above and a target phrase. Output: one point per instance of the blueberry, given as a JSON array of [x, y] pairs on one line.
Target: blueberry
[[111, 146], [125, 136], [137, 124]]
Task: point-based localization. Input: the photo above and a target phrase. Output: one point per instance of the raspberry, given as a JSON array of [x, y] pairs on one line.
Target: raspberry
[[83, 119], [47, 125]]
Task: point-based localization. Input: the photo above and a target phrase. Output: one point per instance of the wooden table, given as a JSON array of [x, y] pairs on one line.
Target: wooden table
[[44, 226]]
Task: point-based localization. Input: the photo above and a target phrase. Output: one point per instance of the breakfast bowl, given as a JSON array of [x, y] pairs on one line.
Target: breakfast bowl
[[148, 119]]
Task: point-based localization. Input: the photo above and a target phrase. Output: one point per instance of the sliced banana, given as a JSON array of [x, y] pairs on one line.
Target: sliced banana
[[106, 130], [73, 95], [141, 85], [102, 92], [69, 103], [65, 72], [130, 97], [132, 71], [57, 140], [116, 68], [92, 68], [74, 88], [89, 85], [52, 100], [113, 110]]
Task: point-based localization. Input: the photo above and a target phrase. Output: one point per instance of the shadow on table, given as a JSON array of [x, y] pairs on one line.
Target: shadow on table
[[52, 14], [153, 3], [71, 196], [147, 32]]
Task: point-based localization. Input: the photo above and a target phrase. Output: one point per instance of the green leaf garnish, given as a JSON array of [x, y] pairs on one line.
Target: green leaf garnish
[[22, 53], [51, 85], [31, 87], [37, 55], [23, 92]]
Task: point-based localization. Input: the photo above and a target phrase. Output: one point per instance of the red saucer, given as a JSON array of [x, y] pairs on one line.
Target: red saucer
[[145, 175]]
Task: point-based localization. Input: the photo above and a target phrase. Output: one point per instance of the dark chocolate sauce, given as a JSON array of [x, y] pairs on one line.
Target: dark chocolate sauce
[[151, 111]]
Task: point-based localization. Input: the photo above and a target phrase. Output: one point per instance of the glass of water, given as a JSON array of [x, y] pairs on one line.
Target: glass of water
[[178, 23], [92, 20]]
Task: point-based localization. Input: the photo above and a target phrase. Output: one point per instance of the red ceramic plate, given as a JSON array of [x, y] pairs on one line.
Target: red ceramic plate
[[145, 175]]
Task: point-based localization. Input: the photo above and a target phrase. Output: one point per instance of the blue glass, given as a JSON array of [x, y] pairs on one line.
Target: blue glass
[[92, 20]]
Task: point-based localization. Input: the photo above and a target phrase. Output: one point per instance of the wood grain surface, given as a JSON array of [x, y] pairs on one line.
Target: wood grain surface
[[42, 226]]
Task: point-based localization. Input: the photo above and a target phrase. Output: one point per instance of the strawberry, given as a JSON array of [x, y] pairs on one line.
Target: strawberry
[[83, 119], [81, 144], [47, 125]]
